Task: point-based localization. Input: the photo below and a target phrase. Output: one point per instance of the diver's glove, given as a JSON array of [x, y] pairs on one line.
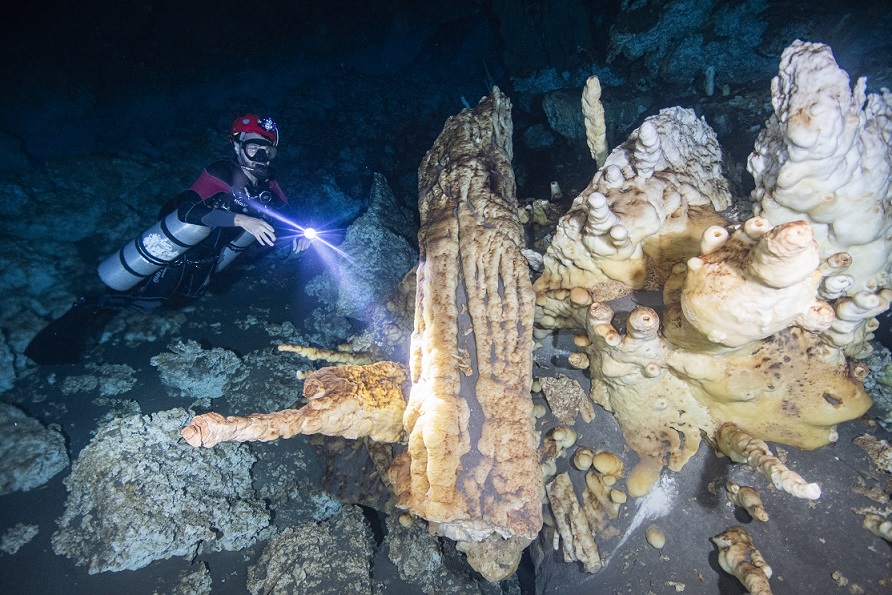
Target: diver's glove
[[298, 245], [295, 247]]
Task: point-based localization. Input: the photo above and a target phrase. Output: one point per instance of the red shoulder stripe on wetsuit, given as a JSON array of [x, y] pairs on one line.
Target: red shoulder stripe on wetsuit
[[208, 185], [274, 186]]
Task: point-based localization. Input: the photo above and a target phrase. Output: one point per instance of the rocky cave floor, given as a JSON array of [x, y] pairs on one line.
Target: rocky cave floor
[[813, 547]]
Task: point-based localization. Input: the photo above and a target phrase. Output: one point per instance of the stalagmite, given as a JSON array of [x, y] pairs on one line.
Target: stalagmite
[[748, 499], [471, 466], [825, 156], [738, 556], [335, 357], [740, 447], [573, 524], [595, 127]]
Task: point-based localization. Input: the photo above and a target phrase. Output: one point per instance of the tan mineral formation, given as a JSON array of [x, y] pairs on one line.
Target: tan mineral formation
[[659, 416], [349, 401], [595, 127], [743, 448], [472, 466], [734, 346], [825, 156], [335, 357], [577, 536], [666, 386], [748, 499], [738, 556], [761, 317], [644, 211], [746, 286]]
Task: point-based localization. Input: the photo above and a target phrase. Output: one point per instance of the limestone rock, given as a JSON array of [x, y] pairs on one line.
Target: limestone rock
[[378, 244], [566, 399], [15, 537], [195, 372], [332, 557], [191, 582], [137, 494], [434, 565], [30, 454]]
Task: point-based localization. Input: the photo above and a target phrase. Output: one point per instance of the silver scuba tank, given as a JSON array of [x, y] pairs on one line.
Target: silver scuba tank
[[233, 249], [149, 251]]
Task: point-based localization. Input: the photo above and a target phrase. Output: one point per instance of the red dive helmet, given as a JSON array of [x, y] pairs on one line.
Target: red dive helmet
[[265, 127]]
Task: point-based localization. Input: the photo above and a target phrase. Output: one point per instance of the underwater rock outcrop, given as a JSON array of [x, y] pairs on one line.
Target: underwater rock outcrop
[[189, 582], [15, 537], [136, 495], [380, 254], [30, 454], [333, 556], [195, 372]]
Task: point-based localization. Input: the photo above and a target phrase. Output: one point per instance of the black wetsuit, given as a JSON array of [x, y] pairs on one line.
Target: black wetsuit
[[220, 193]]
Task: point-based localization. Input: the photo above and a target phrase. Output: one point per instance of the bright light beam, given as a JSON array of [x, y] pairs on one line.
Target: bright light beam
[[336, 250], [307, 232]]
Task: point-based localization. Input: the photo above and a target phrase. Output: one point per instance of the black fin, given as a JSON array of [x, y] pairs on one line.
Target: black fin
[[64, 340]]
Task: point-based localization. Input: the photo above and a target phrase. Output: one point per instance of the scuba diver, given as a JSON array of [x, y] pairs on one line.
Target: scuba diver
[[199, 232]]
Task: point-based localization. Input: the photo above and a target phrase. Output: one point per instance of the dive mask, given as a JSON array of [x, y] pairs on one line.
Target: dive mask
[[259, 150]]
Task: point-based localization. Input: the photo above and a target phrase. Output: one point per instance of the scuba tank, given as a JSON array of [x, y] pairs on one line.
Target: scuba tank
[[233, 249], [152, 249]]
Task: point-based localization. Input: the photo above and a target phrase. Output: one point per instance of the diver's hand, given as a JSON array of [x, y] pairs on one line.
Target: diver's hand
[[258, 228], [299, 245]]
